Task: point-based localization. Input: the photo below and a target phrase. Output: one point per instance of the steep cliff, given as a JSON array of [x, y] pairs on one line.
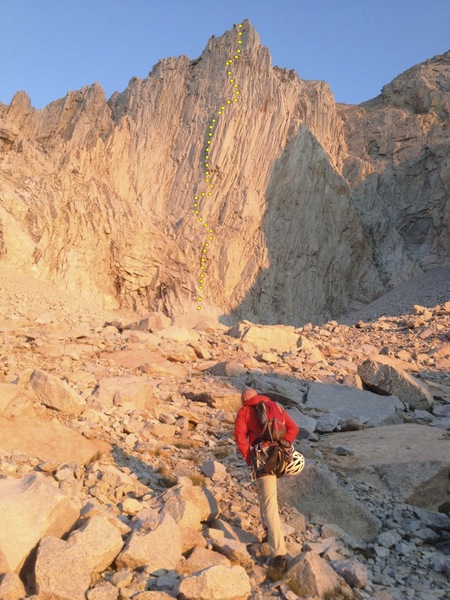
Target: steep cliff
[[309, 214], [399, 170]]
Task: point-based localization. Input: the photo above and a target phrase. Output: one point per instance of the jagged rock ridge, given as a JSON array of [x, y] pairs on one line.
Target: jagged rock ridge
[[319, 207]]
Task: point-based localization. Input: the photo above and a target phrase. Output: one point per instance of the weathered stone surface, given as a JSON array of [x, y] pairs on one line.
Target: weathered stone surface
[[328, 422], [159, 548], [219, 582], [154, 321], [103, 591], [60, 571], [179, 334], [354, 573], [316, 491], [130, 392], [32, 508], [393, 152], [189, 505], [227, 369], [290, 392], [8, 391], [11, 587], [191, 537], [383, 377], [234, 550], [279, 338], [202, 558], [306, 423], [217, 395], [315, 577], [56, 394], [48, 440], [214, 470], [98, 541], [349, 403], [411, 461], [230, 531], [147, 362]]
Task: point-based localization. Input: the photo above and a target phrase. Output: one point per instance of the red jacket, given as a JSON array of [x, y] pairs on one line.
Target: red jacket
[[247, 428]]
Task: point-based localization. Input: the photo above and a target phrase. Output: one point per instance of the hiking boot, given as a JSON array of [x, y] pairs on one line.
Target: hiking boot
[[278, 562]]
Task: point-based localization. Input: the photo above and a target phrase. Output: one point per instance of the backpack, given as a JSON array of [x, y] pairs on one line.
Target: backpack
[[271, 458], [271, 418]]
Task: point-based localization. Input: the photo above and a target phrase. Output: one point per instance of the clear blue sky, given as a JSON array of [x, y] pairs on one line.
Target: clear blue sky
[[48, 47]]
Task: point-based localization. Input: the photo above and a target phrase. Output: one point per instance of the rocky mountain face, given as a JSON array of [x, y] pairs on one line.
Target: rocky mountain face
[[315, 207]]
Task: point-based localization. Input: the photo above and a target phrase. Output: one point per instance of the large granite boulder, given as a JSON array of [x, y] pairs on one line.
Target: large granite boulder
[[61, 571], [314, 577], [157, 546], [383, 376], [99, 541], [278, 337], [219, 582], [130, 392], [410, 461], [56, 394], [31, 509], [350, 403], [48, 440], [316, 491]]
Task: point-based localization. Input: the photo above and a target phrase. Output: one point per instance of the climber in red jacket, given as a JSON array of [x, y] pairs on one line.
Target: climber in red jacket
[[247, 433]]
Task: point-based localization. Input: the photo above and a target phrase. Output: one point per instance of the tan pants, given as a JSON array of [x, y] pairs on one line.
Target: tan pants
[[270, 518]]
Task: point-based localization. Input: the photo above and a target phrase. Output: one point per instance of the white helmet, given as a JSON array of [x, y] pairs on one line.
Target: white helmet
[[296, 465]]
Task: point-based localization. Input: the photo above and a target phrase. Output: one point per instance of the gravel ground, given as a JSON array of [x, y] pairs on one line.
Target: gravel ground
[[430, 289], [23, 296]]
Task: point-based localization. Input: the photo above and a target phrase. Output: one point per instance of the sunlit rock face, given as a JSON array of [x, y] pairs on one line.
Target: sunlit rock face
[[316, 207]]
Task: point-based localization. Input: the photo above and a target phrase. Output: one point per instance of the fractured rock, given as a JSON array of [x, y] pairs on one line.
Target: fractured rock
[[190, 505], [154, 321], [159, 548], [31, 509], [48, 440], [219, 582], [179, 334], [147, 362], [316, 491], [234, 550], [411, 461], [227, 369], [350, 403], [218, 395], [290, 392], [380, 375], [98, 541], [214, 470], [202, 558], [11, 587], [131, 392], [61, 571], [103, 591], [54, 393], [315, 577], [354, 573], [280, 338]]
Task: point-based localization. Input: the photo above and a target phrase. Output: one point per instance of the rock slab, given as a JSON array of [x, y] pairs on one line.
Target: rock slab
[[31, 509]]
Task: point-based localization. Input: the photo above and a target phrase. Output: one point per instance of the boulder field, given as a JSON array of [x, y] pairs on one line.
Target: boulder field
[[120, 478]]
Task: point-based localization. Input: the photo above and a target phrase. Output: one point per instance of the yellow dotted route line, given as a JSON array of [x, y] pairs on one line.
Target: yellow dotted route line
[[209, 193]]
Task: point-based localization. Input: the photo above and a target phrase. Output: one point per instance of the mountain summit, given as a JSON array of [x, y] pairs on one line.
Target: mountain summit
[[316, 208]]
